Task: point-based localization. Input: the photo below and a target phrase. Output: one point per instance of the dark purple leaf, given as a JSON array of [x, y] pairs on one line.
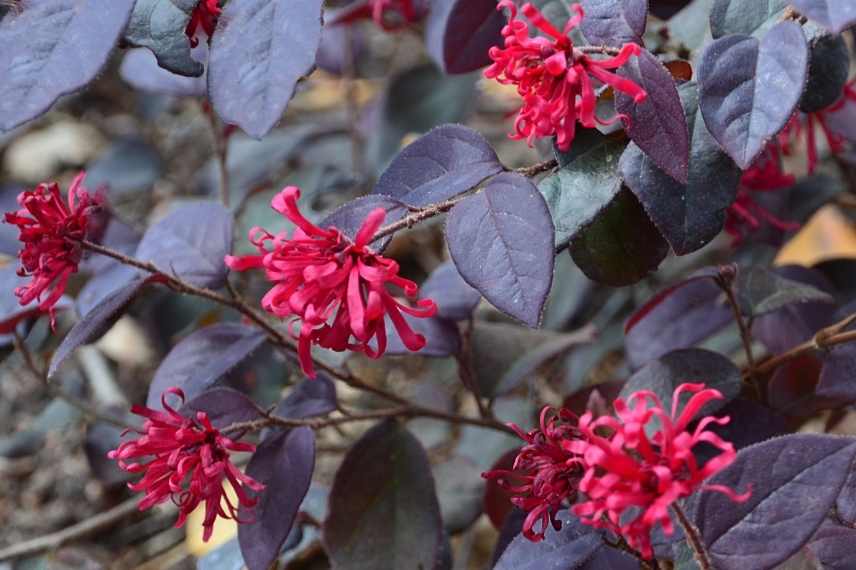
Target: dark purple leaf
[[688, 215], [837, 383], [129, 165], [832, 544], [140, 70], [9, 243], [511, 527], [690, 365], [761, 291], [204, 357], [259, 52], [459, 491], [309, 398], [455, 299], [118, 236], [791, 389], [441, 337], [96, 322], [750, 88], [190, 243], [501, 241], [845, 506], [334, 51], [621, 245], [224, 407], [827, 72], [49, 50], [743, 16], [750, 423], [284, 464], [842, 121], [657, 124], [103, 284], [447, 161], [571, 547], [159, 26], [459, 33], [836, 15], [794, 479], [385, 483], [677, 317], [349, 217], [614, 22]]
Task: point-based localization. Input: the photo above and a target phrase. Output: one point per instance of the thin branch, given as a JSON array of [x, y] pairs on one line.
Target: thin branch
[[221, 149], [466, 371], [824, 338], [693, 538], [725, 280], [75, 532], [536, 169], [598, 50]]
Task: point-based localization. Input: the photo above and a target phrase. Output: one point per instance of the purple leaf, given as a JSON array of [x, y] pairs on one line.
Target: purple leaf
[[832, 544], [743, 16], [621, 245], [259, 52], [96, 322], [309, 398], [501, 241], [455, 299], [828, 71], [284, 464], [614, 22], [761, 291], [571, 547], [835, 15], [677, 317], [836, 385], [159, 25], [9, 243], [690, 365], [191, 243], [334, 51], [845, 505], [460, 492], [49, 50], [750, 423], [129, 165], [103, 284], [385, 484], [202, 358], [794, 479], [688, 215], [441, 337], [749, 88], [447, 161], [224, 407], [459, 33], [657, 124], [349, 217], [140, 70]]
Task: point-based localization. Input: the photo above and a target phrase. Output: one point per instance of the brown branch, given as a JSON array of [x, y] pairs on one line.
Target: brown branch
[[693, 538], [725, 280], [75, 532], [598, 50], [832, 335]]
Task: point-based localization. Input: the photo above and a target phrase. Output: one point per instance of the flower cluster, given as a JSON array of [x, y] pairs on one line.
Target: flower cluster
[[189, 463], [50, 230], [555, 79], [390, 15], [628, 479], [545, 473], [336, 288], [745, 215], [203, 16], [631, 479]]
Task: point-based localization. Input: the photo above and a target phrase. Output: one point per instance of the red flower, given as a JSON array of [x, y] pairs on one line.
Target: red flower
[[50, 231], [545, 474], [805, 124], [390, 15], [745, 215], [189, 461], [203, 16], [552, 76], [335, 287], [630, 479]]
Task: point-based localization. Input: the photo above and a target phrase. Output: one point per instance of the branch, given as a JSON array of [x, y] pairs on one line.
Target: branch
[[824, 338], [693, 538], [725, 280]]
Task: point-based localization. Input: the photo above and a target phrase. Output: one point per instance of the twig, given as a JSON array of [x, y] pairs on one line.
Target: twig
[[824, 338], [725, 280], [466, 370], [74, 532], [598, 50], [536, 169], [693, 538], [221, 149]]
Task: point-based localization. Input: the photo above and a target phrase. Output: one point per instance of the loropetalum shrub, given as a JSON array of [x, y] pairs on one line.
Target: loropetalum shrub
[[669, 427]]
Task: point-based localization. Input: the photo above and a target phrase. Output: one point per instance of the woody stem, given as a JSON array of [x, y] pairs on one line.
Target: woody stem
[[693, 538]]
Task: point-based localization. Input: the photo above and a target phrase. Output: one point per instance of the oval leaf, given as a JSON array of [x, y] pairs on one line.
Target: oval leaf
[[501, 241], [657, 124], [385, 483], [224, 407], [835, 15], [459, 33], [202, 358], [140, 70], [614, 22], [743, 16], [49, 50], [260, 50], [795, 480], [349, 217], [191, 243], [447, 161], [749, 88], [159, 25], [284, 464], [570, 547], [309, 398], [455, 299]]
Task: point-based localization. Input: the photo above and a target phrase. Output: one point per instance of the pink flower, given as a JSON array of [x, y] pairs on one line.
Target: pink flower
[[805, 125], [631, 479], [50, 231], [745, 215], [553, 77], [189, 462], [545, 474], [390, 15], [203, 16], [336, 288]]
